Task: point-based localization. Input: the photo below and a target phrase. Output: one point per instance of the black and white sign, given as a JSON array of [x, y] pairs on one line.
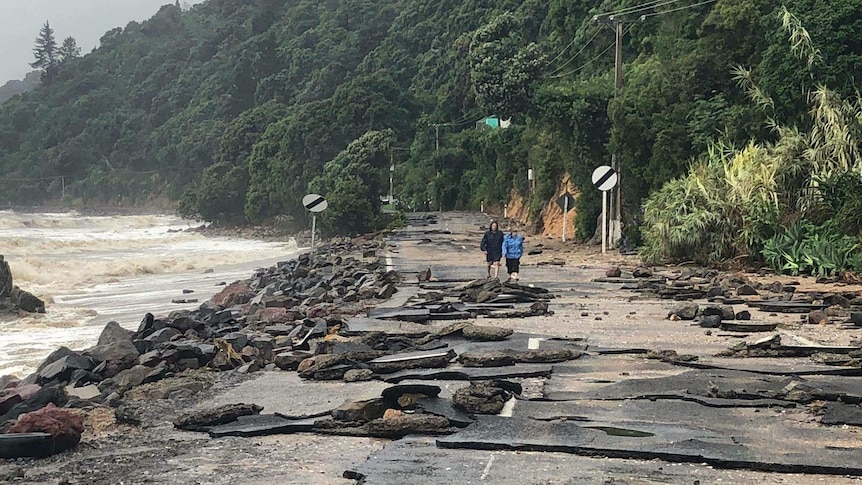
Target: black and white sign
[[604, 178], [315, 203], [566, 202]]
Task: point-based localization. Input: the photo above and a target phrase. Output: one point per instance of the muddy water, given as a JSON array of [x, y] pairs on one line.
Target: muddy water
[[91, 270]]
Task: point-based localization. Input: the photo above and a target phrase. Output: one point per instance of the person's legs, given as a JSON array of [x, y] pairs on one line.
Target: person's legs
[[515, 268], [496, 269]]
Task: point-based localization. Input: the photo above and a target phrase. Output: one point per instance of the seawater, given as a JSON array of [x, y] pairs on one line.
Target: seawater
[[94, 269]]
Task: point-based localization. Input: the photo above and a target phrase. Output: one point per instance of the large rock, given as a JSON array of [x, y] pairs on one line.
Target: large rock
[[5, 279], [121, 351], [685, 311], [65, 426], [27, 301], [398, 425], [198, 419], [62, 369], [113, 332], [361, 411], [238, 293], [35, 398]]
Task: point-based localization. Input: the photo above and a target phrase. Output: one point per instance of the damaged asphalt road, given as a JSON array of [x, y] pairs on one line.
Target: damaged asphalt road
[[459, 380]]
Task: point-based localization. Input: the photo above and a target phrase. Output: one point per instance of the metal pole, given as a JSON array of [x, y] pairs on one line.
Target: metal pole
[[63, 185], [313, 229], [615, 161], [565, 211], [604, 221], [437, 137]]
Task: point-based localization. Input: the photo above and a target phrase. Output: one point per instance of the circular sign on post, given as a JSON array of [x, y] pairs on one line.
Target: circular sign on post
[[315, 203], [604, 178]]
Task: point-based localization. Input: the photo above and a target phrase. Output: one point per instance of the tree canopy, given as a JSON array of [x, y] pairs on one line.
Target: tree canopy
[[237, 108]]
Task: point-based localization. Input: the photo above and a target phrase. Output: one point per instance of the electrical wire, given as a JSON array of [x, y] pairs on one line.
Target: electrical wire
[[705, 2], [639, 8], [594, 59], [583, 47]]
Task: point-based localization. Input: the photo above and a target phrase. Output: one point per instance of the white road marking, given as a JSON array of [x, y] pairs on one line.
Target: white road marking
[[508, 408], [487, 468], [389, 264], [533, 343]]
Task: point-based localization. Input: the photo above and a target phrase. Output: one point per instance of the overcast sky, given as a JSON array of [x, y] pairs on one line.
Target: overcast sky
[[85, 20]]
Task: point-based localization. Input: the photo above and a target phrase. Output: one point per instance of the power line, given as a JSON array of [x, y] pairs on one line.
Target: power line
[[594, 59], [560, 68], [705, 2], [638, 8]]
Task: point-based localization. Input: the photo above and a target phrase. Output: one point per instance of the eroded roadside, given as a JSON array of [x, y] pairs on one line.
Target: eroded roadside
[[651, 417]]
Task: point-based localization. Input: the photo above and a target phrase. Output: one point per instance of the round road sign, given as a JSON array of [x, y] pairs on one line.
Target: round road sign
[[604, 178], [315, 203]]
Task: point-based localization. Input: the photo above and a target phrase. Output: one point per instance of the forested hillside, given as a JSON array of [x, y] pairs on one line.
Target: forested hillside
[[15, 86], [237, 108]]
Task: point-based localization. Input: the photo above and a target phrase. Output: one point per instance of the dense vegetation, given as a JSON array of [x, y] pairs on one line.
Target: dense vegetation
[[237, 108]]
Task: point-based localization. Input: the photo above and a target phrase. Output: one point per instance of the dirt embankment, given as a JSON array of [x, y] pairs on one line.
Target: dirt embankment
[[552, 214]]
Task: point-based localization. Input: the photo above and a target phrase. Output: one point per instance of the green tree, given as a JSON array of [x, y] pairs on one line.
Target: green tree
[[46, 53], [69, 50]]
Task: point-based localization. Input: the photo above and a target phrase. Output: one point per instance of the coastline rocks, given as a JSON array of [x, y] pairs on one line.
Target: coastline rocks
[[685, 311], [238, 293], [66, 427]]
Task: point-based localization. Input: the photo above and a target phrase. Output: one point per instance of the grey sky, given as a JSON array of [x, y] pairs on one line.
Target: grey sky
[[85, 20]]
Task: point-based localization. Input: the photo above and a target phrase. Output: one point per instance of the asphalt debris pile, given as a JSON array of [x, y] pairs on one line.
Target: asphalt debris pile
[[401, 410]]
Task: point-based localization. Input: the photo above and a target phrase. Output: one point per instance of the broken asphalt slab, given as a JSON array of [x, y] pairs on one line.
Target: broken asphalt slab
[[455, 373], [670, 443]]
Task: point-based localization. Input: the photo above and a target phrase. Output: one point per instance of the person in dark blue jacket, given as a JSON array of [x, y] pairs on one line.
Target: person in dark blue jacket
[[513, 249], [492, 246]]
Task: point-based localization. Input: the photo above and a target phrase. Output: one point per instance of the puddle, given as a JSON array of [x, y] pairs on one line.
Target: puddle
[[631, 433]]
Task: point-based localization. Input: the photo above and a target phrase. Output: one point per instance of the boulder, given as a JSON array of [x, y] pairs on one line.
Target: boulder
[[238, 293], [275, 315], [117, 355], [613, 272], [27, 301], [685, 311], [710, 321], [724, 311], [5, 279], [163, 335], [62, 369], [113, 332], [84, 393], [66, 427], [146, 325], [290, 360], [746, 290], [387, 291], [35, 398], [817, 317], [361, 411]]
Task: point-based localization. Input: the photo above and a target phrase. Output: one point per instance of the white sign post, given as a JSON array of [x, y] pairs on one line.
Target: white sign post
[[566, 202], [605, 179], [314, 203]]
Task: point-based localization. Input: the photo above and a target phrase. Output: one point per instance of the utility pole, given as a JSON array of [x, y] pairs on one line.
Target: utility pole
[[437, 135], [616, 23]]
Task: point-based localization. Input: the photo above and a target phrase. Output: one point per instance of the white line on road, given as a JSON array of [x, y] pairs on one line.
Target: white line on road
[[487, 468], [533, 343], [508, 408], [389, 264]]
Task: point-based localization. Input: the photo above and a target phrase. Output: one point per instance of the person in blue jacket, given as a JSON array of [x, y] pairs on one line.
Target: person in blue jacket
[[513, 249]]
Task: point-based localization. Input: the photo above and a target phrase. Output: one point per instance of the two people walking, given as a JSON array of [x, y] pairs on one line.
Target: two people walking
[[497, 246]]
